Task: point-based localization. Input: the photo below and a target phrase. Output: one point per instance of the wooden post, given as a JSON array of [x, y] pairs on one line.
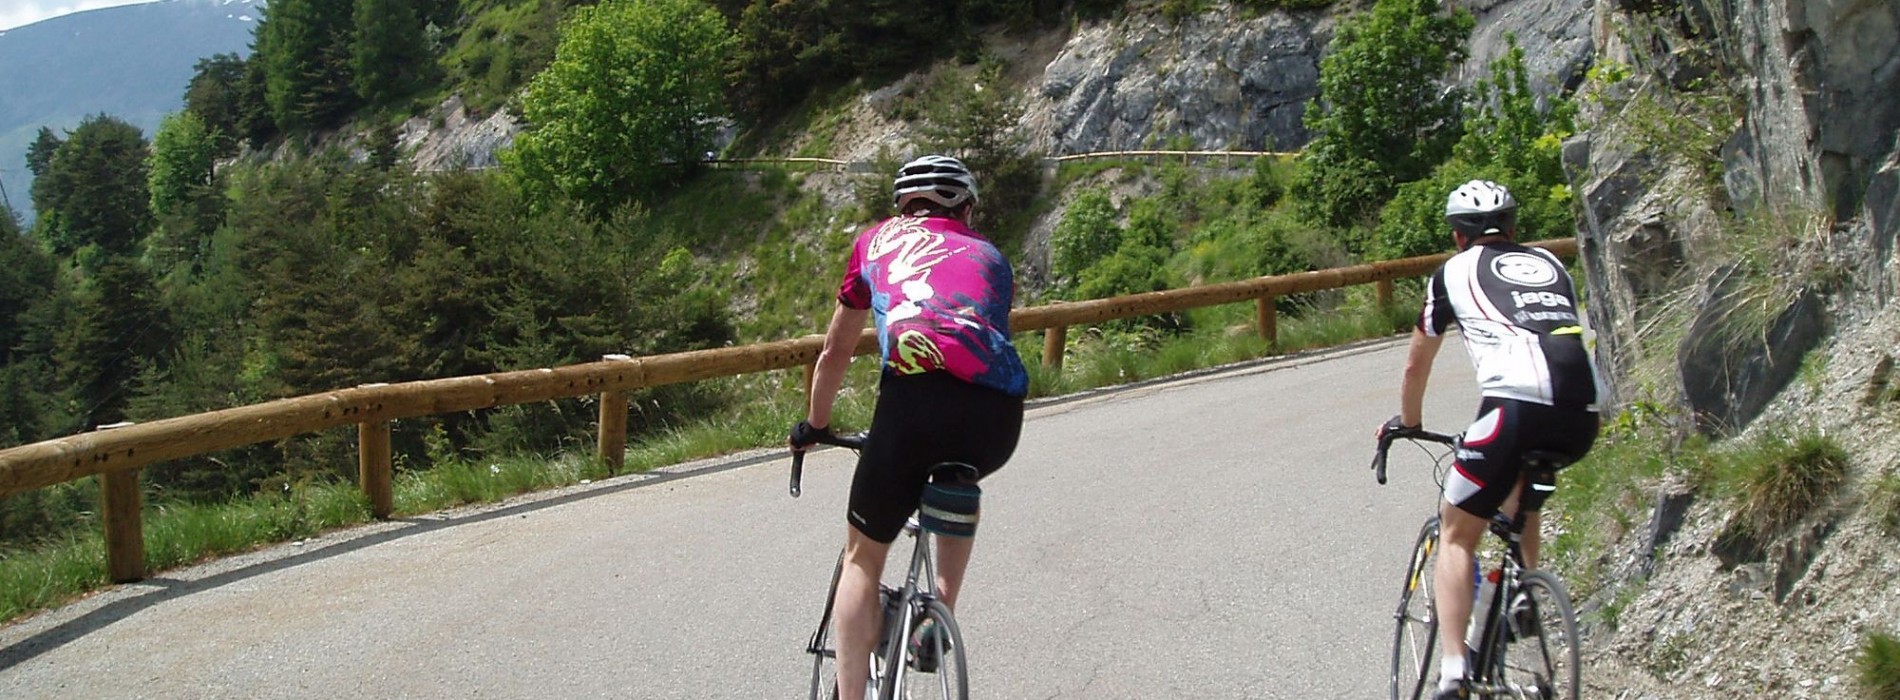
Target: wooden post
[[1054, 341], [1382, 293], [123, 504], [373, 470], [1268, 317], [612, 443]]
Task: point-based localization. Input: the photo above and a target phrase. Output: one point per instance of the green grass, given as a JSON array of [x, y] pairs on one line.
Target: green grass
[[1877, 667], [1776, 480], [1602, 497]]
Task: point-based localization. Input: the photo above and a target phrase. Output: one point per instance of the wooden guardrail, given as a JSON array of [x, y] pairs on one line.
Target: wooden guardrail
[[116, 454]]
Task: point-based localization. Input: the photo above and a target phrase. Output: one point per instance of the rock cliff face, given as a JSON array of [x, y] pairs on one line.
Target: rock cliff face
[[1815, 85], [1243, 84], [1801, 102], [1139, 82]]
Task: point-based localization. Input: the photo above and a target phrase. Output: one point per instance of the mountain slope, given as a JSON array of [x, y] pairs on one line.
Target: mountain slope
[[132, 62]]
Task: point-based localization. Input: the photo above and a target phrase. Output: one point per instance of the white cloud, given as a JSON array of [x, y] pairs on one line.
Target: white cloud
[[19, 13]]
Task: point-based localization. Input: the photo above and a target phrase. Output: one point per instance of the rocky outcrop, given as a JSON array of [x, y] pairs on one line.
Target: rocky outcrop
[[1555, 34], [1222, 82], [1816, 82], [449, 138]]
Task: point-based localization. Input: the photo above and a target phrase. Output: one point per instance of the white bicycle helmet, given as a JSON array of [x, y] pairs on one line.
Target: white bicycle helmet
[[1481, 208], [940, 179]]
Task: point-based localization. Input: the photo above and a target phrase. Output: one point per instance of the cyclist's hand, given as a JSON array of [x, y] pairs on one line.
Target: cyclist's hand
[[805, 435], [1395, 427]]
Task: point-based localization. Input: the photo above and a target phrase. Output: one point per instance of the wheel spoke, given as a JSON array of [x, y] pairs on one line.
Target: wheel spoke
[[1415, 635]]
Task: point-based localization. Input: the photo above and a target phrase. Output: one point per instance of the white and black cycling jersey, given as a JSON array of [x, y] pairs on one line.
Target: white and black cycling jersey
[[1517, 310]]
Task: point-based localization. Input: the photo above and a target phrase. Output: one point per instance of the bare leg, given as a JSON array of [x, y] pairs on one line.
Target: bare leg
[[857, 615], [1458, 535], [1533, 538], [953, 559]]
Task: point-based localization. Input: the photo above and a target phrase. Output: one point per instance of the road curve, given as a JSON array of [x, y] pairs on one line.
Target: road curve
[[1214, 536]]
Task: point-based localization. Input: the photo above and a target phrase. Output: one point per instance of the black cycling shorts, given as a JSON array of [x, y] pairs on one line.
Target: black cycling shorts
[[1490, 455], [923, 420]]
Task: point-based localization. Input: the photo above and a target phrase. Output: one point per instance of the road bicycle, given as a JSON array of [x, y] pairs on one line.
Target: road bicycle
[[935, 666], [1523, 638]]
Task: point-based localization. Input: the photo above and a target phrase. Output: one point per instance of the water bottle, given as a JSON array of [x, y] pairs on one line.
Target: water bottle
[[1480, 605]]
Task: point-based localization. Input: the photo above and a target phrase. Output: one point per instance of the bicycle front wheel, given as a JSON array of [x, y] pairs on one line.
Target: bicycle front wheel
[[932, 664], [1415, 638], [1541, 653]]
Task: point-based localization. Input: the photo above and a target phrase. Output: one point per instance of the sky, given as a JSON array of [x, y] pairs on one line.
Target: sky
[[17, 13]]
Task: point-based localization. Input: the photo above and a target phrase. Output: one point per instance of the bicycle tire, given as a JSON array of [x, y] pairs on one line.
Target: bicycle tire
[[950, 680], [1543, 662], [1415, 633]]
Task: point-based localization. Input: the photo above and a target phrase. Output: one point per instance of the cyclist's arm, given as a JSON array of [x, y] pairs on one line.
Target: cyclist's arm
[[1418, 370], [841, 340]]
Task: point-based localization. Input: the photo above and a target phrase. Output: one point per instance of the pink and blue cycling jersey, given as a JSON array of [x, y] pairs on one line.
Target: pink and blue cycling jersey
[[941, 294]]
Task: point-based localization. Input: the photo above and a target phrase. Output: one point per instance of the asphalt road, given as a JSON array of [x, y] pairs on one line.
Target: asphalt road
[[1217, 536]]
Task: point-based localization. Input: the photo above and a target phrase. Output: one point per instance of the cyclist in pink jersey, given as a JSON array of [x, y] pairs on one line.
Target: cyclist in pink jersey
[[951, 389]]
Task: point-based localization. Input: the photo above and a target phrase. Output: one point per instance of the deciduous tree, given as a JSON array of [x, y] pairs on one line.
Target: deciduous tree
[[627, 101], [1383, 117]]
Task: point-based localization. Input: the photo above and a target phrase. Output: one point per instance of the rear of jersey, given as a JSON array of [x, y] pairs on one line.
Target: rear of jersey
[[1517, 310], [941, 296]]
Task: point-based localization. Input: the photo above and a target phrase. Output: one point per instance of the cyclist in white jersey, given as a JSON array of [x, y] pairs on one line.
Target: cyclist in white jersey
[[1516, 308]]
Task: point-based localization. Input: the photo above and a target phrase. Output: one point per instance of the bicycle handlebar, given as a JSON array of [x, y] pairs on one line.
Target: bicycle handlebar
[[854, 441], [1418, 434]]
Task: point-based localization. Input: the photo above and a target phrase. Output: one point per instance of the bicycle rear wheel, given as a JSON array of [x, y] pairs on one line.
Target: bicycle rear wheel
[[1415, 637], [1542, 653], [912, 678]]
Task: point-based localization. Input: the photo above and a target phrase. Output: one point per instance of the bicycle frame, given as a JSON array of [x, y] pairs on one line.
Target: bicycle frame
[[1489, 655], [919, 587], [914, 595]]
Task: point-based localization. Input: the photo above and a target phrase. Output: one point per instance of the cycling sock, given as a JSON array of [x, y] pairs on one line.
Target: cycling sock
[[1451, 669]]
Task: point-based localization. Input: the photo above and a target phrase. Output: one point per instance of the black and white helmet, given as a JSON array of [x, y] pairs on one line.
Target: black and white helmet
[[1481, 208], [940, 179]]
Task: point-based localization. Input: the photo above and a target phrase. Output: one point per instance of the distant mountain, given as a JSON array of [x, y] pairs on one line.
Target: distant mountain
[[131, 62]]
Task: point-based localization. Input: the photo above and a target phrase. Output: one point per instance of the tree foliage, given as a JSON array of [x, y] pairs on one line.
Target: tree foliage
[[181, 161], [120, 327], [625, 105], [39, 154], [93, 190], [973, 117], [1509, 139], [305, 48], [1383, 118], [390, 56], [226, 92]]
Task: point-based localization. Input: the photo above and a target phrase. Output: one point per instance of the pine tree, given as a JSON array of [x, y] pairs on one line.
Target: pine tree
[[120, 328], [215, 96], [305, 47], [93, 191], [39, 155], [390, 51]]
